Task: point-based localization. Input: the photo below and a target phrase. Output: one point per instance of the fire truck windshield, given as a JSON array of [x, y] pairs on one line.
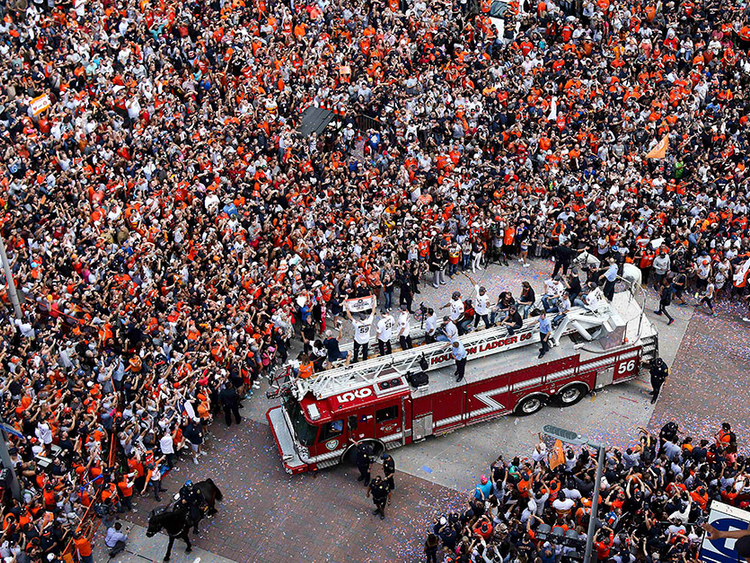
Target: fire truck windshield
[[304, 431]]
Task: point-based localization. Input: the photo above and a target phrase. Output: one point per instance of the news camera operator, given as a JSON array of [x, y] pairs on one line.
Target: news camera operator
[[447, 332]]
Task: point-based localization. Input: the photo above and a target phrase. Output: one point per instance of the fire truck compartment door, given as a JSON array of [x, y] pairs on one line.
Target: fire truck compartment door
[[365, 425], [422, 427], [388, 425], [605, 376]]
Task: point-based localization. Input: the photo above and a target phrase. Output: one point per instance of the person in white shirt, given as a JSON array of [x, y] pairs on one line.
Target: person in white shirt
[[403, 328], [448, 331], [384, 331], [430, 326], [481, 307], [456, 305], [166, 444], [708, 297], [563, 306], [43, 433], [552, 291], [362, 329], [563, 505]]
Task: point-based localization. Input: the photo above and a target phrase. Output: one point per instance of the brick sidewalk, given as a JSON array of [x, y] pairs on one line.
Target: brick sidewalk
[[708, 381], [268, 515]]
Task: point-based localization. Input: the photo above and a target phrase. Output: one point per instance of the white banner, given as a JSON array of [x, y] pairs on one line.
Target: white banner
[[39, 104], [359, 304], [739, 277]]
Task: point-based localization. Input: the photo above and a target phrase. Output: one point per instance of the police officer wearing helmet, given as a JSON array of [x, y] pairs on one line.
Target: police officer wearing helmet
[[191, 497]]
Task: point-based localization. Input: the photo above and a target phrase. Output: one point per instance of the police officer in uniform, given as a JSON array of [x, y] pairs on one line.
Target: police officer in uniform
[[191, 497], [364, 461], [380, 495], [389, 469], [659, 372]]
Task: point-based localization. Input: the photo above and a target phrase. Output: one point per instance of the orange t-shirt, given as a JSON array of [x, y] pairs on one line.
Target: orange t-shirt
[[83, 545]]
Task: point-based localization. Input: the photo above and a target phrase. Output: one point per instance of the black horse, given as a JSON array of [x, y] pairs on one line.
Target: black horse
[[211, 494], [175, 519]]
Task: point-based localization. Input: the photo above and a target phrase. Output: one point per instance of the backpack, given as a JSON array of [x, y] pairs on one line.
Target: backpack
[[418, 379], [423, 363]]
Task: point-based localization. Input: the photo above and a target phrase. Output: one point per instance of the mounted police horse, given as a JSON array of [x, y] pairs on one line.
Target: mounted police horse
[[631, 274], [175, 519]]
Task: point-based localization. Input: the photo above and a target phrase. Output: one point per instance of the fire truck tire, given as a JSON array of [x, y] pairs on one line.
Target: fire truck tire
[[349, 457], [530, 404], [571, 394]]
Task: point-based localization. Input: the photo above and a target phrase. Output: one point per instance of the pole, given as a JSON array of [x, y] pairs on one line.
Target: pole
[[15, 489], [594, 505], [9, 280]]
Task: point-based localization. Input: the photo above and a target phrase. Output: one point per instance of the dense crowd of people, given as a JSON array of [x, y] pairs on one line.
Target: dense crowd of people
[[169, 229], [653, 498]]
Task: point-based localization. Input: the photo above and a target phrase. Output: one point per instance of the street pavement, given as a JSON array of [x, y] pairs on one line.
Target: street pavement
[[268, 515]]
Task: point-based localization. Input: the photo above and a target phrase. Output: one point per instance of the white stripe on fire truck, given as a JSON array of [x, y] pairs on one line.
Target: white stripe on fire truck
[[392, 437], [598, 363], [529, 383], [323, 457], [449, 420], [561, 374], [485, 410], [486, 398]]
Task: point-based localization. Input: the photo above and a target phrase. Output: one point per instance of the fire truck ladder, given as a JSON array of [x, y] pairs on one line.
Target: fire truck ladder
[[347, 378]]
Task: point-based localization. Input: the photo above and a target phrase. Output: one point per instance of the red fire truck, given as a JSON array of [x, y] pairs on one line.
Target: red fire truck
[[319, 418]]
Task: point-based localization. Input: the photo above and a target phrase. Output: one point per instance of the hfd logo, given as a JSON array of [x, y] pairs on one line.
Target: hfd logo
[[352, 395]]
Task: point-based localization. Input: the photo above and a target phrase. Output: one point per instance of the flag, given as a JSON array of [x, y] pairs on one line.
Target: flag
[[740, 277], [660, 150], [553, 110], [556, 455]]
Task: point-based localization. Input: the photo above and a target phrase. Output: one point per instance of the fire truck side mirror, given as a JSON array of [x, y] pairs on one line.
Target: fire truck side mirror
[[352, 423]]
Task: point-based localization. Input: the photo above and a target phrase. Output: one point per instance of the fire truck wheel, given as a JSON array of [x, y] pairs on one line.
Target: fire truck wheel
[[571, 394], [530, 405]]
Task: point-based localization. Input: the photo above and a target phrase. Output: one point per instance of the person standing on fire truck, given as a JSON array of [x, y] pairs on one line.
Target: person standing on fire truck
[[457, 310], [384, 331], [404, 328], [481, 307], [544, 331], [459, 353], [362, 328]]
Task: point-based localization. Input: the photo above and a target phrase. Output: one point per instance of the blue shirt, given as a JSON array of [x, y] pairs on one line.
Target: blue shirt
[[483, 491], [611, 274], [459, 352], [544, 325]]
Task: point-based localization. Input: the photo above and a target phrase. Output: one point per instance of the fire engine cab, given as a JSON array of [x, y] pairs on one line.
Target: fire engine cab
[[319, 418]]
